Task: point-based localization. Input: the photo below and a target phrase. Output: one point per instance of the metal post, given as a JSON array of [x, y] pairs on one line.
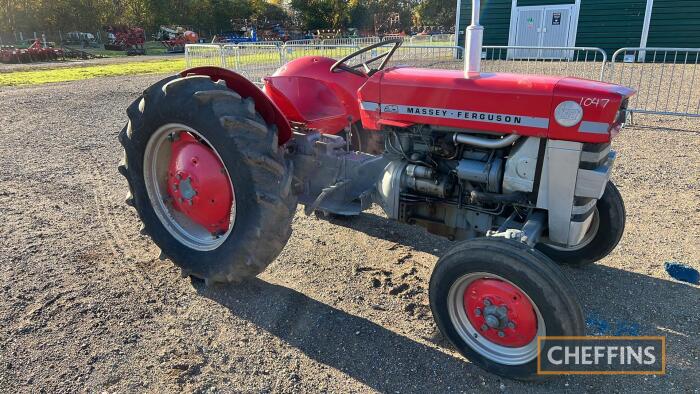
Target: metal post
[[641, 55], [473, 41]]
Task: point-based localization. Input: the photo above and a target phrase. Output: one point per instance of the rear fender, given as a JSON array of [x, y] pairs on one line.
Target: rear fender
[[238, 83]]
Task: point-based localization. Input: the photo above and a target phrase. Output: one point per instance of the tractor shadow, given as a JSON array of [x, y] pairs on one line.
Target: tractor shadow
[[390, 362], [615, 302], [372, 354], [412, 237]]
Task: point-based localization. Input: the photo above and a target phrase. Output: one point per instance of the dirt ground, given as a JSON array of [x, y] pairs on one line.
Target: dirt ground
[[86, 306]]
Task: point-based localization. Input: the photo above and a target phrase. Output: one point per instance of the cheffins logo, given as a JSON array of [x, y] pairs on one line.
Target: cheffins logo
[[601, 355]]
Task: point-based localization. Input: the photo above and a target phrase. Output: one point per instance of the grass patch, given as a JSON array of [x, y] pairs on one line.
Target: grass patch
[[151, 47], [65, 74]]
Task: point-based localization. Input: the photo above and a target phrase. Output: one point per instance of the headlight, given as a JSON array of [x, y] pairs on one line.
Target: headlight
[[568, 113]]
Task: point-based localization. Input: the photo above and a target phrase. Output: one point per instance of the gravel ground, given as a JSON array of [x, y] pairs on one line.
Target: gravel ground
[[87, 306]]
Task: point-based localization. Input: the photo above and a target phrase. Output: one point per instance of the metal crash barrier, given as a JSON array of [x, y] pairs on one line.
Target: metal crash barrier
[[667, 80], [580, 62]]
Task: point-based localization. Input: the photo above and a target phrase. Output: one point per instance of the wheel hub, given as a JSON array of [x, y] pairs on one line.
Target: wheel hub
[[198, 185], [501, 312]]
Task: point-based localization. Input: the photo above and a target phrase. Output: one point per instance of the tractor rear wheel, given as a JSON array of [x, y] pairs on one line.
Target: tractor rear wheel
[[492, 298], [604, 234], [207, 178]]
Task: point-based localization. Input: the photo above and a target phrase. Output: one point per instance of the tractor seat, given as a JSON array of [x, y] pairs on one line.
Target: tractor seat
[[308, 101]]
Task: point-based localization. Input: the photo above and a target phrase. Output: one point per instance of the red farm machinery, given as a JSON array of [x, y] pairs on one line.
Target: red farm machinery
[[175, 39], [37, 51], [514, 168], [128, 39]]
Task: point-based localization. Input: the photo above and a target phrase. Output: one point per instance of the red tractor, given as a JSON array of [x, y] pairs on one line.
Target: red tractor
[[514, 167]]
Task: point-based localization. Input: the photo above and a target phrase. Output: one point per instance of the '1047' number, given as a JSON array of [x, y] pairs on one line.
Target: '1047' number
[[594, 102]]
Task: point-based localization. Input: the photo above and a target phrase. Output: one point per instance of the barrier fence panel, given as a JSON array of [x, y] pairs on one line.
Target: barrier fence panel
[[256, 62], [581, 62], [392, 37], [263, 43], [366, 41], [304, 42], [197, 55], [667, 80], [291, 52], [438, 57], [446, 38], [338, 41], [419, 40]]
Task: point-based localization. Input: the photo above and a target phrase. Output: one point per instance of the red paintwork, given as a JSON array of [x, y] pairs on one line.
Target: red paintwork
[[265, 107], [579, 90], [299, 98], [519, 311], [306, 91], [513, 94], [194, 162], [292, 80]]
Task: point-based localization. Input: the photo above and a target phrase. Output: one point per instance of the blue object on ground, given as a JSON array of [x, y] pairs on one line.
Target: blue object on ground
[[682, 272]]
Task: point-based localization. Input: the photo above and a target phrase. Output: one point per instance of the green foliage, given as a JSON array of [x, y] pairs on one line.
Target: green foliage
[[92, 15], [321, 14], [435, 13], [213, 16]]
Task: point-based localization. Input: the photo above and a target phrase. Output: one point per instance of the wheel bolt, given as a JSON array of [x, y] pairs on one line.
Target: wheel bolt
[[484, 327], [511, 324], [501, 334], [477, 312], [487, 302]]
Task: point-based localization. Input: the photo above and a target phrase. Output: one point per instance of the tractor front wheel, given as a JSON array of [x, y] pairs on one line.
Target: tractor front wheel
[[492, 298], [602, 237], [207, 178]]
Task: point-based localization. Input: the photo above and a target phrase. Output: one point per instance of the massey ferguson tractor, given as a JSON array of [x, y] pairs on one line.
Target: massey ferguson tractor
[[514, 168]]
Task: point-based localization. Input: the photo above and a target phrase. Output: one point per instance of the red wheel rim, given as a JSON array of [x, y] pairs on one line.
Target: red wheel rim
[[189, 188], [198, 184], [500, 312]]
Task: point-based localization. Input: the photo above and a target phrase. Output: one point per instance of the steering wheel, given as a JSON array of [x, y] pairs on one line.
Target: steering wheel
[[341, 64]]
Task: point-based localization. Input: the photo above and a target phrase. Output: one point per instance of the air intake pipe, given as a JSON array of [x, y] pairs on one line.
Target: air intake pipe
[[487, 143]]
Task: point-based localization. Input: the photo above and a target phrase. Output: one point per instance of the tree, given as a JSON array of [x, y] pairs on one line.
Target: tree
[[269, 13], [322, 14], [434, 13], [215, 16]]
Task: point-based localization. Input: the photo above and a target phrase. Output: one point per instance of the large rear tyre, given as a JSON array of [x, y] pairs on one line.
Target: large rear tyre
[[603, 235], [492, 298], [207, 178]]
